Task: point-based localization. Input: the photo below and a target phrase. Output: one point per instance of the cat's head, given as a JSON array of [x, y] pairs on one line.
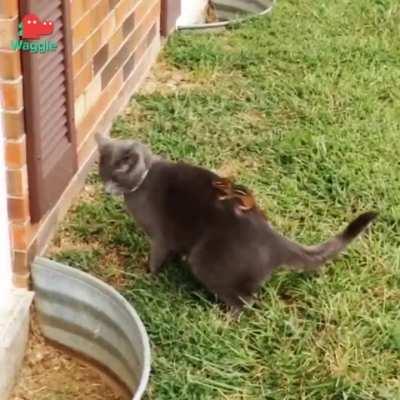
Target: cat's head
[[122, 163]]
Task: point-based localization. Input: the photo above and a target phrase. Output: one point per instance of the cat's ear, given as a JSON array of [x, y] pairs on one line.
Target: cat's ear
[[101, 140]]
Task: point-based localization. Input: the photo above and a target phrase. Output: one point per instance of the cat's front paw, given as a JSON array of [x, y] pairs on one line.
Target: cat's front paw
[[153, 268], [150, 269]]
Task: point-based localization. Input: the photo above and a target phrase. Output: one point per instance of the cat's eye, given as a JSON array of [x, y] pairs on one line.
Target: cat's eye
[[124, 160], [128, 159]]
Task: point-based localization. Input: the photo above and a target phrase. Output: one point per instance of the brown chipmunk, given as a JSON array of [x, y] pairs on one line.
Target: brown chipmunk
[[211, 13], [244, 199]]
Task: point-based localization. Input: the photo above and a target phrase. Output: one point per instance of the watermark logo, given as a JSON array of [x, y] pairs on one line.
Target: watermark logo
[[30, 31]]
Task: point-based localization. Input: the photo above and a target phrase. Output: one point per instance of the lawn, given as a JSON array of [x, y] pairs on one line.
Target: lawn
[[303, 106]]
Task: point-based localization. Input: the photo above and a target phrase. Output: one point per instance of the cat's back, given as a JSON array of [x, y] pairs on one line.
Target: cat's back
[[184, 186], [189, 208]]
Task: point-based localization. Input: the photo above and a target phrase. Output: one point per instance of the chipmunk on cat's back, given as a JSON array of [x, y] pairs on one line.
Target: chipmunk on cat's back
[[242, 198]]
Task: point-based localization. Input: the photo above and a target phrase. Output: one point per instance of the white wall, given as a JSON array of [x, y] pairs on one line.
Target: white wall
[[5, 251], [192, 12]]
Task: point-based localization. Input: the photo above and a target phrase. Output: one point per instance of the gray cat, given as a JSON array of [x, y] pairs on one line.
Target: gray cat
[[176, 204]]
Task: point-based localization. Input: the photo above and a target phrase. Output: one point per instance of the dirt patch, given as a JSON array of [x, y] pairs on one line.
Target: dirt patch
[[233, 169], [90, 192], [109, 265], [49, 373], [165, 78], [64, 241]]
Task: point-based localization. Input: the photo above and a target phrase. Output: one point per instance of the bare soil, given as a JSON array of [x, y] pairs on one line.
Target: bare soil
[[49, 373]]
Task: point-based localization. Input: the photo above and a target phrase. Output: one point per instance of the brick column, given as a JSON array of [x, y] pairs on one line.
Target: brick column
[[12, 116]]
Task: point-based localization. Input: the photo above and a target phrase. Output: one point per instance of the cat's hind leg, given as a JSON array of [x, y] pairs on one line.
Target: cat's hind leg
[[159, 254], [232, 286]]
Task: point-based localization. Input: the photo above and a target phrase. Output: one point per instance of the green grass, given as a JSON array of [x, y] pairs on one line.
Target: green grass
[[305, 105]]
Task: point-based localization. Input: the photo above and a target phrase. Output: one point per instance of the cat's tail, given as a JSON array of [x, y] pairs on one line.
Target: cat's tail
[[312, 257]]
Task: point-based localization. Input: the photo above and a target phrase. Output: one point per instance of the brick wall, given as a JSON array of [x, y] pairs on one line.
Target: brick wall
[[12, 116], [110, 39], [114, 44]]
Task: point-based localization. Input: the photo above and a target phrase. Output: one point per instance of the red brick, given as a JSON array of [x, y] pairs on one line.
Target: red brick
[[114, 65], [129, 66], [92, 45], [85, 53], [100, 58], [13, 124], [100, 12], [82, 30], [78, 61], [22, 281], [83, 79], [113, 4], [92, 93], [98, 109], [115, 41], [151, 13], [18, 208], [22, 262], [17, 181], [123, 9], [80, 109], [16, 153], [128, 25], [143, 64], [21, 235], [107, 28], [11, 97], [8, 32], [8, 8], [77, 10], [86, 150], [10, 65]]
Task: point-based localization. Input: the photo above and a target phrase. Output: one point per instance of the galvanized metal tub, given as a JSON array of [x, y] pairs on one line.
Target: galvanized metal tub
[[230, 12], [86, 315]]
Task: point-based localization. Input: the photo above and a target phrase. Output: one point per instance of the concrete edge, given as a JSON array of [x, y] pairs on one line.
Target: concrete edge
[[14, 329]]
